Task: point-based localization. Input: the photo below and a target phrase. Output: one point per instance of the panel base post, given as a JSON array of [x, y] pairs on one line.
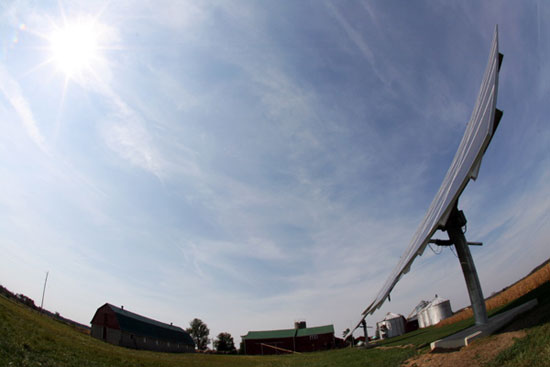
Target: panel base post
[[454, 230]]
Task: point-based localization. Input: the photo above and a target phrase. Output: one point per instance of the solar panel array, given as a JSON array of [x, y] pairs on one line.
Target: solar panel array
[[465, 166]]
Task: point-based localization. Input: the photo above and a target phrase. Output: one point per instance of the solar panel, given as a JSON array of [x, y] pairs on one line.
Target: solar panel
[[465, 166]]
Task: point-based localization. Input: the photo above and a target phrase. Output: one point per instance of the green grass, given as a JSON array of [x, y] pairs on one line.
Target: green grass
[[30, 339], [423, 337], [534, 349]]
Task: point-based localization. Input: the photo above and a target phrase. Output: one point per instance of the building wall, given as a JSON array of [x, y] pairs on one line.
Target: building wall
[[105, 327], [311, 343], [104, 316], [255, 346], [130, 340], [411, 326], [107, 334], [96, 331]]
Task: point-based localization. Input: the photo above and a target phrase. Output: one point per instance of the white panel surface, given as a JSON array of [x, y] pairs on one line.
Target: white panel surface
[[465, 166]]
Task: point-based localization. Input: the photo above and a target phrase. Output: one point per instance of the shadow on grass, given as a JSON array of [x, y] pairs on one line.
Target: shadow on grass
[[403, 339], [537, 316]]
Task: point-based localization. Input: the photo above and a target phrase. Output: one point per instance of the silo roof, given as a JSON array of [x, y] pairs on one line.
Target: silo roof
[[437, 300]]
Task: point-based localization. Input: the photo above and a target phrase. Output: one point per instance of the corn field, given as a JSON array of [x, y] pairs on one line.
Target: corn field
[[518, 289]]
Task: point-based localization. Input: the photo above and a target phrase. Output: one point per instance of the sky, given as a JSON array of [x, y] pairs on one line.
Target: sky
[[254, 163]]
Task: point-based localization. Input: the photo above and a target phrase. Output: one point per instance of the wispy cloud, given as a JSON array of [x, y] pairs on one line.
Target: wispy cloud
[[286, 153], [359, 40], [14, 95], [126, 134], [123, 129]]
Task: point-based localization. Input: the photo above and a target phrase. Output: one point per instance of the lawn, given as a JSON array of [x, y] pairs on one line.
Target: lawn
[[28, 338], [534, 349]]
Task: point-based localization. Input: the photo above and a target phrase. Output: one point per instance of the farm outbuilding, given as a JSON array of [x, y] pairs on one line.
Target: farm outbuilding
[[392, 325], [299, 339], [117, 326]]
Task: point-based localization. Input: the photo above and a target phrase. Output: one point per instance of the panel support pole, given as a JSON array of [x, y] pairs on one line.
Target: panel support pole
[[454, 230], [364, 325]]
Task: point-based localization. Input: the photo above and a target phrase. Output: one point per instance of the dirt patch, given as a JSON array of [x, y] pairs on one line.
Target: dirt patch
[[475, 355]]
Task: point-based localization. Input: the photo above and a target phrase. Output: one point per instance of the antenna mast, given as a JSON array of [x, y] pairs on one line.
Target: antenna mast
[[44, 290]]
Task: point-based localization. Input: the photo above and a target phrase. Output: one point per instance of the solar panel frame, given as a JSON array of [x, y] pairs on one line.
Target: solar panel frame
[[465, 166]]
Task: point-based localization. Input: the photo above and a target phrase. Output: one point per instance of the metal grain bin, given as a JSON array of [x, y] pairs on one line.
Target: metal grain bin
[[423, 318], [439, 309]]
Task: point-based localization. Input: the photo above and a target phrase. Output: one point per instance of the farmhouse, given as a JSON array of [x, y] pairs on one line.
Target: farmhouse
[[124, 328], [299, 339]]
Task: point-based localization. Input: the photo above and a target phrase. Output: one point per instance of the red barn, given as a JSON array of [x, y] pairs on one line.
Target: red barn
[[124, 328], [299, 339]]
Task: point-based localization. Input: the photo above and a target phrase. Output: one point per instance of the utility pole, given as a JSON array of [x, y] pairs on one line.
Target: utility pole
[[44, 290]]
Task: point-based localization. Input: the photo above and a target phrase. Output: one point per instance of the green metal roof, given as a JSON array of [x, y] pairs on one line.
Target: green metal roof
[[288, 333], [270, 334], [144, 326], [315, 330]]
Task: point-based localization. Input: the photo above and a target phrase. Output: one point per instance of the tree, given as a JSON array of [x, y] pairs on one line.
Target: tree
[[199, 332], [225, 343]]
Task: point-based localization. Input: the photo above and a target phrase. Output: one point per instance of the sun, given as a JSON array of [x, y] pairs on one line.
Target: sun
[[74, 47]]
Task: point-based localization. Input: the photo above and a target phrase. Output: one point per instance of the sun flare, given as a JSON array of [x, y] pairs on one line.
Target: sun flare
[[74, 47]]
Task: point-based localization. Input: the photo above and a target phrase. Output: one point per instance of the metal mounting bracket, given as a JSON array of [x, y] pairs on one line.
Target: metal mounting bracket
[[440, 242]]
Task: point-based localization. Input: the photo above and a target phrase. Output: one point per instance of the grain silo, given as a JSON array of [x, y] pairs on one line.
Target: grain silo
[[423, 318], [438, 309], [414, 316]]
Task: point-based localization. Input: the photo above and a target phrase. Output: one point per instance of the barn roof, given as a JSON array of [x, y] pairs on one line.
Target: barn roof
[[270, 334], [328, 329], [288, 333], [141, 325]]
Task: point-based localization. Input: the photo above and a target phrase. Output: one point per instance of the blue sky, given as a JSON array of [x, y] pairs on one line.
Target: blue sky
[[253, 163]]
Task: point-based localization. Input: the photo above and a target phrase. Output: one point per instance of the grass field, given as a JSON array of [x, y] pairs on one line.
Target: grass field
[[534, 349], [30, 339]]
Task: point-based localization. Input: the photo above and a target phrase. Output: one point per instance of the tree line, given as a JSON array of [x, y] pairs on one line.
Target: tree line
[[199, 331]]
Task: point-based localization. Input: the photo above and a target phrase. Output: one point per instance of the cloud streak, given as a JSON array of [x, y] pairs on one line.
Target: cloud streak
[[359, 41], [14, 95], [273, 158]]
